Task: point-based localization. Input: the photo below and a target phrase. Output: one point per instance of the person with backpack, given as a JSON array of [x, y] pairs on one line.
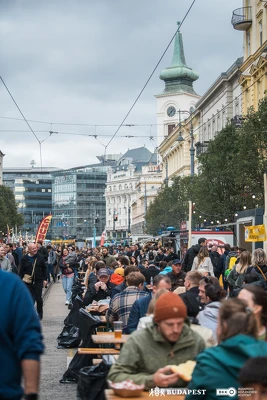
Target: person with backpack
[[217, 261], [239, 271]]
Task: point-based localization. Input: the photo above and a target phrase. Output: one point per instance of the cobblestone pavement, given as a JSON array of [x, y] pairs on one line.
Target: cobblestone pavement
[[54, 361]]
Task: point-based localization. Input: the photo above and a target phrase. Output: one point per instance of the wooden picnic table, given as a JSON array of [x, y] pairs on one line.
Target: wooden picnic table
[[109, 338], [109, 394], [97, 351]]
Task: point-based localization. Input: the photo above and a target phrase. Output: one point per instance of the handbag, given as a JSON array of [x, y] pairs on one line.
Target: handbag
[[28, 278], [261, 272]]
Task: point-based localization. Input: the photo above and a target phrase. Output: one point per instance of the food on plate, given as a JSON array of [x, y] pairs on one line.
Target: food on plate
[[185, 370]]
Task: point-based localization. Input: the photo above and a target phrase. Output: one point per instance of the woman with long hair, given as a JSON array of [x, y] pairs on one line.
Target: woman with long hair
[[203, 261], [219, 367], [67, 276], [259, 263], [239, 271], [256, 299], [90, 261]]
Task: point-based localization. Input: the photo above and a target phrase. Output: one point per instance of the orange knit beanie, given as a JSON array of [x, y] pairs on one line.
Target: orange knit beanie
[[169, 305]]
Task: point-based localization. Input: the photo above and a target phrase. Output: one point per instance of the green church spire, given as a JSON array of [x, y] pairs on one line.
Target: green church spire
[[179, 77]]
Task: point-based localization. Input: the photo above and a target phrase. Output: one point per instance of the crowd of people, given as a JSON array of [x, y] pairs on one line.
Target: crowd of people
[[206, 307]]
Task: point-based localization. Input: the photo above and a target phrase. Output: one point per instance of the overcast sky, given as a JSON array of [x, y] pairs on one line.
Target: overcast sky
[[85, 62]]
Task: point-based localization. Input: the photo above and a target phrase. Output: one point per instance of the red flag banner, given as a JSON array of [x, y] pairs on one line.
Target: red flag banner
[[103, 237], [43, 228]]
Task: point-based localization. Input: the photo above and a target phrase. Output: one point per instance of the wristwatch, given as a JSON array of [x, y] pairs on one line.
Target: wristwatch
[[31, 396]]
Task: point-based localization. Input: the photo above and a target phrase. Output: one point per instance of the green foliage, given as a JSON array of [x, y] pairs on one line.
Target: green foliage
[[230, 178], [8, 209], [170, 207]]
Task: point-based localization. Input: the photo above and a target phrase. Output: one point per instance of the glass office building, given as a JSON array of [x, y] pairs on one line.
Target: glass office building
[[78, 202], [32, 188]]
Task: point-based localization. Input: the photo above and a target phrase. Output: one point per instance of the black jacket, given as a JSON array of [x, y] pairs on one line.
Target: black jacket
[[217, 263], [171, 256], [191, 300], [43, 252], [118, 289], [176, 280], [91, 293], [149, 273], [26, 267], [189, 257]]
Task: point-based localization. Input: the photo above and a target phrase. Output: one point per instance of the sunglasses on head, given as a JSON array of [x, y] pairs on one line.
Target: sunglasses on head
[[207, 279]]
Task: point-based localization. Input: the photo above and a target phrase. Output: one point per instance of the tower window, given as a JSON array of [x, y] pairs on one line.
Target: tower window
[[260, 31], [170, 129]]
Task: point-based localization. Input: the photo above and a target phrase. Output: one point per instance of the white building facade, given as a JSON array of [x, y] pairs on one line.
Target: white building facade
[[121, 191], [147, 187]]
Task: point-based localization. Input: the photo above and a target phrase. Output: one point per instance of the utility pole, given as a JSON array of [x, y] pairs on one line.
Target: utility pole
[[190, 224], [145, 198]]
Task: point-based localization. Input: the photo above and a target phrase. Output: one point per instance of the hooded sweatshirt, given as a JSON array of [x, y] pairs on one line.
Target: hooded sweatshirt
[[209, 317], [147, 350], [219, 367]]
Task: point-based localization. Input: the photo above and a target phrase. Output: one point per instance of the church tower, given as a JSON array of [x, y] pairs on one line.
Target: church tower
[[178, 94]]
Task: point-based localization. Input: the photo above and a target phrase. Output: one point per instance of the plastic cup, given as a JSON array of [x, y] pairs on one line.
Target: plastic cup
[[117, 329]]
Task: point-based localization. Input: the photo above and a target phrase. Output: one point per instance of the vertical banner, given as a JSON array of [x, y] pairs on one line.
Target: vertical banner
[[43, 228], [103, 237]]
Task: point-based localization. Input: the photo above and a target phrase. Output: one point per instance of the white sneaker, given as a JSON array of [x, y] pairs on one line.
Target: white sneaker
[[67, 303]]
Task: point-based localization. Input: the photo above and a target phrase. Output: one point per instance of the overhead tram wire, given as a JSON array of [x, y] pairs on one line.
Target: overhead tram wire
[[152, 73], [19, 110], [126, 136], [24, 118]]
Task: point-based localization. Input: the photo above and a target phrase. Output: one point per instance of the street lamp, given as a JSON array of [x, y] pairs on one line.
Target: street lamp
[[192, 148]]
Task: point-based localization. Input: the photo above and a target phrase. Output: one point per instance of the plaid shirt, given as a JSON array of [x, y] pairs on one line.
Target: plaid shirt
[[121, 304]]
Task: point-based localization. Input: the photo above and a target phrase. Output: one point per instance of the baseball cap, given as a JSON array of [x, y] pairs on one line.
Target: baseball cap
[[176, 261], [103, 272]]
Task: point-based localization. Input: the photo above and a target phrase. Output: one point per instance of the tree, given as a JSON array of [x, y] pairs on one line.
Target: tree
[[170, 206], [8, 209], [230, 177], [232, 169]]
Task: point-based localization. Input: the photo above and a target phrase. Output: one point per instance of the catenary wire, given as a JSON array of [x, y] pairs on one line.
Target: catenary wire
[[152, 73]]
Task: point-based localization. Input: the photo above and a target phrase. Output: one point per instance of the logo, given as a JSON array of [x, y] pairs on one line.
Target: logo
[[231, 392]]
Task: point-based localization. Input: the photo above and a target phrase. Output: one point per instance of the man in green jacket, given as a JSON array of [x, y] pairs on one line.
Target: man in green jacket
[[168, 340]]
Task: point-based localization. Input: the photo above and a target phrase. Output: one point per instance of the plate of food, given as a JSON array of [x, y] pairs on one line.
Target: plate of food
[[126, 388]]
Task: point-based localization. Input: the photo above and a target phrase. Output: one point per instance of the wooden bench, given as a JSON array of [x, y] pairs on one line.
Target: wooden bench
[[93, 350]]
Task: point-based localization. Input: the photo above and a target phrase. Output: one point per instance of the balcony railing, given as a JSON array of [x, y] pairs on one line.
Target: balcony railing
[[242, 18]]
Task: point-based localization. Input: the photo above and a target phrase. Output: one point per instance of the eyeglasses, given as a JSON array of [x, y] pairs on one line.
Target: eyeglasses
[[207, 279]]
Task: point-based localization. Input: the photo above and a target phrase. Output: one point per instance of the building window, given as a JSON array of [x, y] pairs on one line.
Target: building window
[[237, 108], [260, 31], [259, 89], [219, 122], [209, 136], [170, 129], [248, 43], [223, 119], [43, 190], [213, 127]]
